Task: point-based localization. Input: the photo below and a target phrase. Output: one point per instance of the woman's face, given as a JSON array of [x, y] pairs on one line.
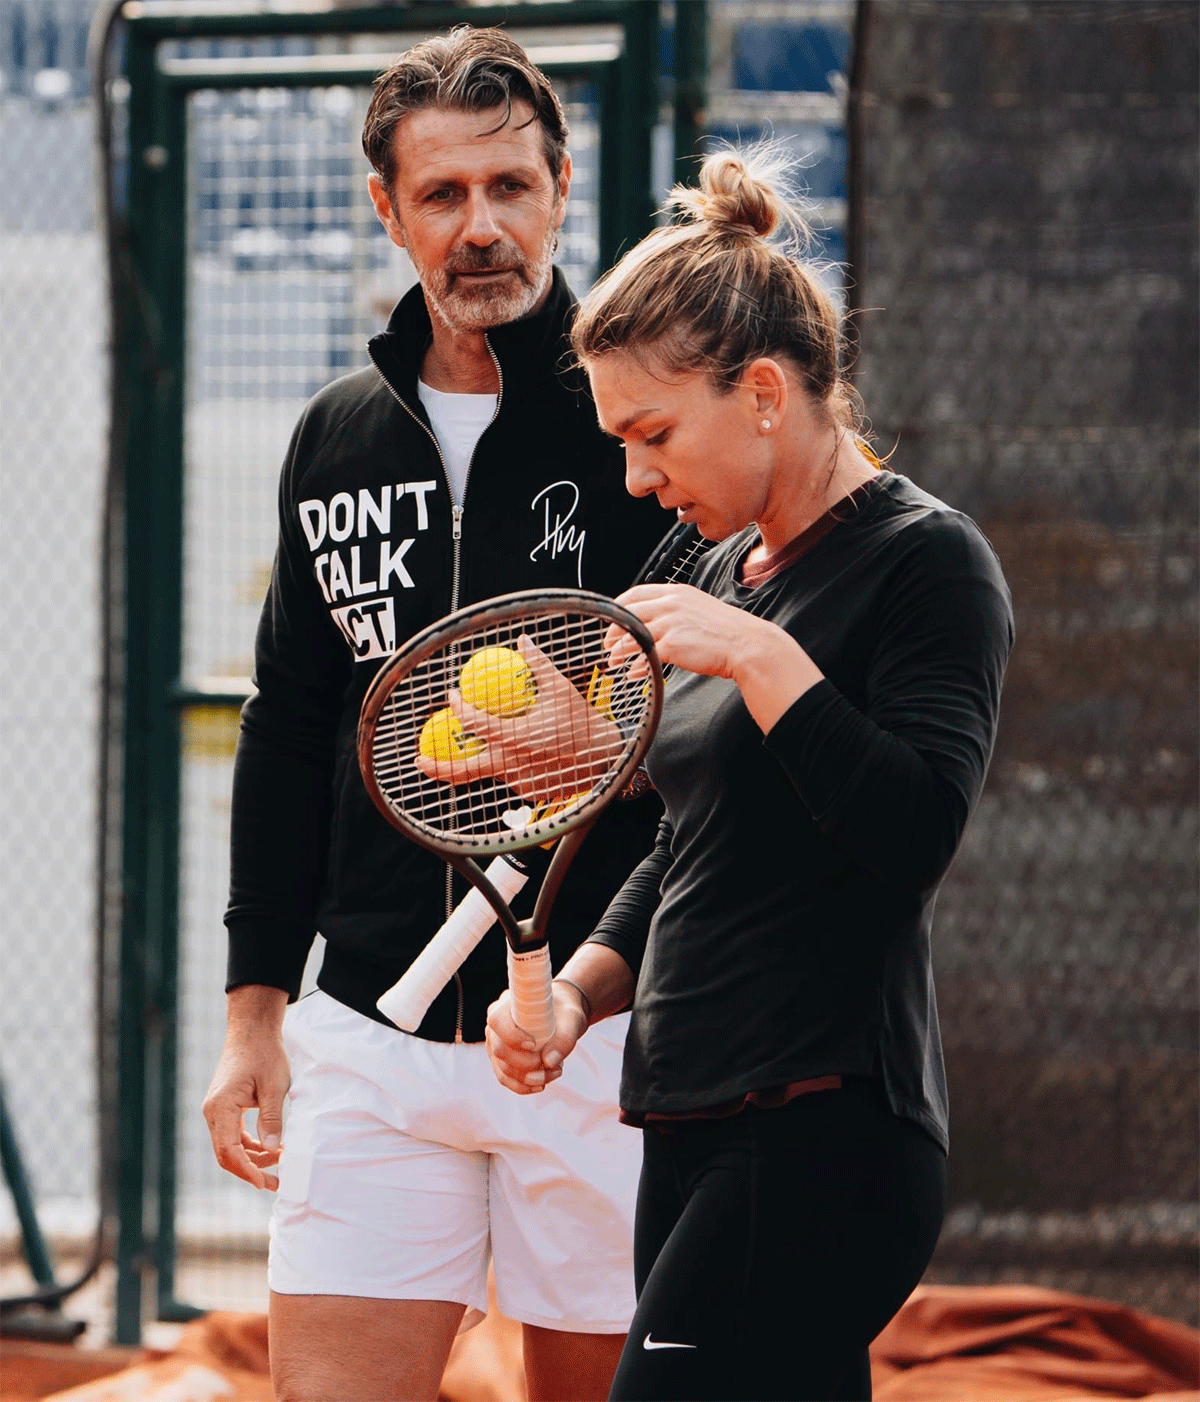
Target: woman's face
[[704, 455]]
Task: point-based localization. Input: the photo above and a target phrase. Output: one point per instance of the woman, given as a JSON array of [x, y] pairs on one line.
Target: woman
[[827, 726]]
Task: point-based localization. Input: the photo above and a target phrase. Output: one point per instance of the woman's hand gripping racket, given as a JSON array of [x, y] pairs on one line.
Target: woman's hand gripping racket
[[498, 731]]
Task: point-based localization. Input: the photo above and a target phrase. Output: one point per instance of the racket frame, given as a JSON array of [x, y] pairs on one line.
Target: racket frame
[[567, 829]]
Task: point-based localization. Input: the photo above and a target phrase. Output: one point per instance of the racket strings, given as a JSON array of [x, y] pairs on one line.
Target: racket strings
[[683, 566], [680, 566], [554, 738]]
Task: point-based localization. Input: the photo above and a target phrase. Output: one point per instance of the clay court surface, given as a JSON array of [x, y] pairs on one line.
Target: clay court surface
[[997, 1343]]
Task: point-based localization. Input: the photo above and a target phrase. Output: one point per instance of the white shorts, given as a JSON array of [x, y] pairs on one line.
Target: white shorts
[[406, 1165]]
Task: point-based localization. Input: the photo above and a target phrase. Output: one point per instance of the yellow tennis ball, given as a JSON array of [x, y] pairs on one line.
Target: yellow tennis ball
[[498, 680], [442, 737]]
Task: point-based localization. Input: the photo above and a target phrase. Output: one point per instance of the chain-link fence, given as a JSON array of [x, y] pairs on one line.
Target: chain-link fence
[[53, 348], [1027, 280], [1029, 345]]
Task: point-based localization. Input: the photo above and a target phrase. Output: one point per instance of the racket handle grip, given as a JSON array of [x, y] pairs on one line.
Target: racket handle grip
[[529, 976], [408, 1000]]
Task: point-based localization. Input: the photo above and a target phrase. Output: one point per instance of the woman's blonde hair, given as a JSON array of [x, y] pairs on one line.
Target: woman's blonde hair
[[714, 292]]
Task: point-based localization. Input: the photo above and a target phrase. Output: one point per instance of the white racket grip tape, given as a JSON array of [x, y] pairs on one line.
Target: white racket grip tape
[[408, 1000], [529, 976]]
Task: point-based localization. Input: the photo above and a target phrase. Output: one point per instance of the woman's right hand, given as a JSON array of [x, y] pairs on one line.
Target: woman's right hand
[[701, 634], [518, 1062]]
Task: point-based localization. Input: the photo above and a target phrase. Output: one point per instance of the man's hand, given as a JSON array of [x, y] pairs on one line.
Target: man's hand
[[252, 1074]]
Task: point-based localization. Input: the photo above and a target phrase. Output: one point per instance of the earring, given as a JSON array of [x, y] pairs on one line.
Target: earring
[[766, 423]]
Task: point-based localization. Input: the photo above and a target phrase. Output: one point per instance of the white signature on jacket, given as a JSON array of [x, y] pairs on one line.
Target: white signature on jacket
[[559, 502]]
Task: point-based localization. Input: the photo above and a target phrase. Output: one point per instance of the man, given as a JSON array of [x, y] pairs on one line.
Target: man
[[465, 463]]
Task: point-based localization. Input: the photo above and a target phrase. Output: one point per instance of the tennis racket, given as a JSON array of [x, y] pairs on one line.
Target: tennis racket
[[673, 561], [676, 556], [548, 737]]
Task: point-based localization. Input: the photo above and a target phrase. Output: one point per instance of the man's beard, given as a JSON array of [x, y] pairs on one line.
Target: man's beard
[[465, 306]]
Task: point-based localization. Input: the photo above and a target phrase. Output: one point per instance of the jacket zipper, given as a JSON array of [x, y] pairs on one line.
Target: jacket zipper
[[455, 571]]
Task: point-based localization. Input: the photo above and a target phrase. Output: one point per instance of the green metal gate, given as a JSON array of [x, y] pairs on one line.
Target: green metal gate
[[254, 274]]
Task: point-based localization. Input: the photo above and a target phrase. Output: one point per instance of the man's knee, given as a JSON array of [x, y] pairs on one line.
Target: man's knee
[[340, 1348]]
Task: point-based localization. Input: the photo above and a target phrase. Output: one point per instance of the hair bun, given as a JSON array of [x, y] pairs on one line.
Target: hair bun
[[742, 193], [735, 197], [714, 289]]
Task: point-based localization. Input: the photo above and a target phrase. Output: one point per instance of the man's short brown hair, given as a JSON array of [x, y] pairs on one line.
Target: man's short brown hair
[[467, 70]]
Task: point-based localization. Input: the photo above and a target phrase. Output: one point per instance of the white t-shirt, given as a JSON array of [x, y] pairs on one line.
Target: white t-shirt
[[458, 420]]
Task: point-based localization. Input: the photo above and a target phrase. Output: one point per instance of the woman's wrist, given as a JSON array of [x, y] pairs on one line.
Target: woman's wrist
[[584, 1000], [772, 673], [600, 981]]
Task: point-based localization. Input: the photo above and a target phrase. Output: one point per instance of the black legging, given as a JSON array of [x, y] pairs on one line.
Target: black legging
[[771, 1247]]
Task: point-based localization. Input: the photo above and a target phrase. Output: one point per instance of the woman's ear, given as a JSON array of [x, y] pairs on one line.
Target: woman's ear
[[767, 385]]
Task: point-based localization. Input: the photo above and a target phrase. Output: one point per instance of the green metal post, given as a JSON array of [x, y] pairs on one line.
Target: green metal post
[[691, 87], [153, 570], [274, 21], [612, 231], [167, 544], [638, 114], [139, 363]]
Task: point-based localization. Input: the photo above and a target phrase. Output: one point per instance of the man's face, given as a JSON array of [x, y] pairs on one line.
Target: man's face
[[476, 213]]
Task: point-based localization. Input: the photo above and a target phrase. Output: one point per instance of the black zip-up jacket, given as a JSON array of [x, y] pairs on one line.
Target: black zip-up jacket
[[371, 550]]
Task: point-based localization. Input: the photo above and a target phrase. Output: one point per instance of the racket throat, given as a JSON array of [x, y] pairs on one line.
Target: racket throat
[[564, 854], [527, 937]]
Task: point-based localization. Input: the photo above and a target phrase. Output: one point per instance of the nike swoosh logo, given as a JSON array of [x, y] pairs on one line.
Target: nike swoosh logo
[[649, 1343]]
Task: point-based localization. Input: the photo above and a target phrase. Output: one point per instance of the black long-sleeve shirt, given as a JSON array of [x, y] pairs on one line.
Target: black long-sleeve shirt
[[780, 929]]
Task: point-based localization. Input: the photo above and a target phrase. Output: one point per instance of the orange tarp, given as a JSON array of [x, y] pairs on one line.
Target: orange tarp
[[948, 1344], [1023, 1344]]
